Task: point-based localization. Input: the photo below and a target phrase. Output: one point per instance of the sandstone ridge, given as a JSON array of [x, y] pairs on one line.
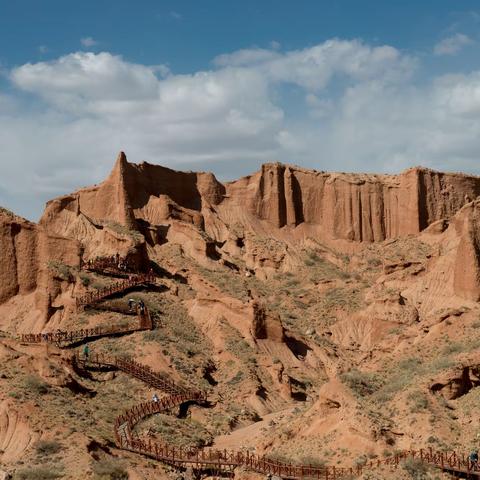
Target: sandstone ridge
[[355, 207]]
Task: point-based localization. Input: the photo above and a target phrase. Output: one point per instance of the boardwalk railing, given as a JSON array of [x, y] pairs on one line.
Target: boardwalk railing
[[176, 395], [208, 458], [64, 339], [117, 287]]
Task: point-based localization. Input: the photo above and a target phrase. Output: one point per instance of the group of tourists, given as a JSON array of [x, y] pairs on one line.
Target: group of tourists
[[139, 305], [473, 457], [114, 261]]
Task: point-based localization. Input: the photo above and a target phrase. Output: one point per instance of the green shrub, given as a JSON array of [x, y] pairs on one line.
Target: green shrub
[[108, 469], [362, 383], [85, 279], [48, 447], [135, 235], [60, 270], [37, 473], [454, 347], [36, 385], [7, 212], [419, 401], [416, 469], [313, 461]]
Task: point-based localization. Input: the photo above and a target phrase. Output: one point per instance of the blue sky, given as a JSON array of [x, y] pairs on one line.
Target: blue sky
[[187, 35], [226, 85]]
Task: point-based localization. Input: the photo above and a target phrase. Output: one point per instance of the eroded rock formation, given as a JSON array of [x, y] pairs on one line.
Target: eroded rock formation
[[356, 207], [144, 206]]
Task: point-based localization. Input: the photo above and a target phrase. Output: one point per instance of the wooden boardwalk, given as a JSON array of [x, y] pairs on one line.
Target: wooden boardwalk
[[209, 459]]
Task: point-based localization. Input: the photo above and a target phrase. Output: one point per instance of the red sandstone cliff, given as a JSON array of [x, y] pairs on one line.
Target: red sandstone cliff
[[27, 254], [467, 263], [209, 219], [357, 207]]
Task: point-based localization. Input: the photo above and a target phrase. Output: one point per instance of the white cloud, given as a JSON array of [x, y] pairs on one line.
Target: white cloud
[[88, 42], [452, 45], [274, 45], [43, 49], [313, 68], [341, 105]]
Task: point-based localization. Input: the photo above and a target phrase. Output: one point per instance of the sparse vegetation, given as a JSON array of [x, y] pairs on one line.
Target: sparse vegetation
[[85, 279], [60, 270], [36, 385], [38, 473], [48, 447], [362, 383], [135, 235], [109, 469], [7, 212], [416, 469]]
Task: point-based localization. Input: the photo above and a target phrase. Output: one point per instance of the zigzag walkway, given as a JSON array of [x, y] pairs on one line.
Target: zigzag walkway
[[209, 459], [65, 339], [92, 297]]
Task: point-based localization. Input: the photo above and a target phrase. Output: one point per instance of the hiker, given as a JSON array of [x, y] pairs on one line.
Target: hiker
[[473, 457], [142, 307], [86, 351], [155, 398], [131, 303]]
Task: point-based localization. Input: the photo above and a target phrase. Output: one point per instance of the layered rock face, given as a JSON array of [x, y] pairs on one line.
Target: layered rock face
[[210, 219], [27, 253], [467, 264], [18, 259], [355, 207]]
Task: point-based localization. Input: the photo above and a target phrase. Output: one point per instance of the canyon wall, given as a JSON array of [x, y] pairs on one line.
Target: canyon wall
[[467, 262], [18, 259], [28, 255], [180, 207], [356, 207]]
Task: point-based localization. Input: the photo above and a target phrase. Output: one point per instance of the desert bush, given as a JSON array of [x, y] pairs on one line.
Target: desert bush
[[411, 364], [416, 469], [450, 348], [108, 469], [5, 211], [36, 385], [37, 473], [313, 461], [60, 270], [374, 262], [48, 447], [123, 230], [362, 383], [85, 279], [237, 378], [419, 401], [441, 363], [343, 297]]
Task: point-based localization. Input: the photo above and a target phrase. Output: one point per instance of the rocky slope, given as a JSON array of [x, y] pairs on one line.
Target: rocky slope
[[329, 315]]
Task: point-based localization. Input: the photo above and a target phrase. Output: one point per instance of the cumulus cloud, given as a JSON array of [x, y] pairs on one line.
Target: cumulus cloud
[[341, 105], [452, 45], [313, 68]]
